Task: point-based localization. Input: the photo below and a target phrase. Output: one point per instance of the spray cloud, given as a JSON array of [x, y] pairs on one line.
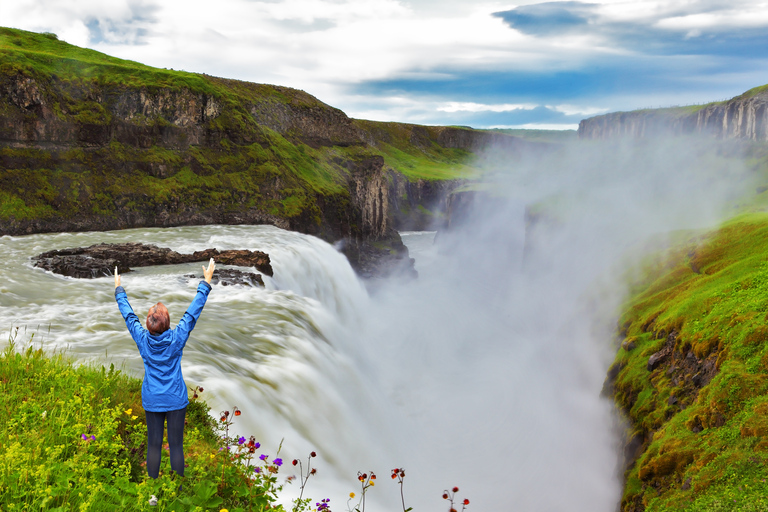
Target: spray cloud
[[496, 356]]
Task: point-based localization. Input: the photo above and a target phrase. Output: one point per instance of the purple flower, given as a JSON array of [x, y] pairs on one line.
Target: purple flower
[[263, 456], [240, 440], [278, 462], [257, 445], [257, 469], [83, 437], [93, 438]]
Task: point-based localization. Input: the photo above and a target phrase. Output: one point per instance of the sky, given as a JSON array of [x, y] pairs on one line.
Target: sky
[[483, 64]]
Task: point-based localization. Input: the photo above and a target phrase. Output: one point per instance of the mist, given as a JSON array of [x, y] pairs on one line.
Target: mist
[[495, 357]]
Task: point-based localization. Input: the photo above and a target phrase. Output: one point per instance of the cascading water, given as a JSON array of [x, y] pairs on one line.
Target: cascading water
[[484, 373]]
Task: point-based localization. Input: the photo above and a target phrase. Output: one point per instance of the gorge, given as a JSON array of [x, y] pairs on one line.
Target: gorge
[[485, 372]]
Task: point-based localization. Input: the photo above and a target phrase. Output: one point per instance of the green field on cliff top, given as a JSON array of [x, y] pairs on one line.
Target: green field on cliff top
[[245, 164]]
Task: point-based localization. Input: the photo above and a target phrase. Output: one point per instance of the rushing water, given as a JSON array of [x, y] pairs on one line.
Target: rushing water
[[484, 373]]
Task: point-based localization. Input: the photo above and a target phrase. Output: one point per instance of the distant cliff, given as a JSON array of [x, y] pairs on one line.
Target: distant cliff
[[91, 142], [743, 117]]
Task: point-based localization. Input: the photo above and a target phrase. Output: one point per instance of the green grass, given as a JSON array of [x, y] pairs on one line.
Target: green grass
[[710, 290], [241, 164], [49, 404]]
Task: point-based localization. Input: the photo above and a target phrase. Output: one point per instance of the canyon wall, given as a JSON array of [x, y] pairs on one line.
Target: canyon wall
[[744, 117]]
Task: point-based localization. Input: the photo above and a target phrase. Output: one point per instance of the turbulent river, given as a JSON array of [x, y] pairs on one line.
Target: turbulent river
[[484, 373]]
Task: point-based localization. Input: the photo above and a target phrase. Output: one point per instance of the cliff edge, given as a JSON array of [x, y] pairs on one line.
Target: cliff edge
[[744, 117]]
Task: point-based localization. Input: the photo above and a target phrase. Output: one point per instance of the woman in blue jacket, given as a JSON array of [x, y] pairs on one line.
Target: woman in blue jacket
[[164, 392]]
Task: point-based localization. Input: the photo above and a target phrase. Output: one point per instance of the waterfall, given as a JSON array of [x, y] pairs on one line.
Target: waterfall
[[485, 373]]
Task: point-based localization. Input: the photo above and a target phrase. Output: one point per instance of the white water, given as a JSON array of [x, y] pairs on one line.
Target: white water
[[484, 373]]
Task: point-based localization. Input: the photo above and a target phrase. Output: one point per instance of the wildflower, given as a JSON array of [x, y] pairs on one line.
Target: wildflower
[[263, 456], [313, 454], [256, 469], [134, 417], [313, 471], [351, 495], [213, 455], [93, 438], [128, 411], [455, 489], [466, 501], [373, 476], [223, 510], [237, 412], [240, 440], [372, 484], [295, 461], [200, 388], [278, 462], [45, 413], [445, 496], [83, 437]]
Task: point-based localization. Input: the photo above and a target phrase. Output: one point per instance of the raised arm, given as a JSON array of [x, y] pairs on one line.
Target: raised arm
[[188, 321], [131, 320]]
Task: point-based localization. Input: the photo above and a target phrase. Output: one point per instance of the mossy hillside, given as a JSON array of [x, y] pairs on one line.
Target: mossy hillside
[[73, 437], [250, 152], [414, 151], [705, 445]]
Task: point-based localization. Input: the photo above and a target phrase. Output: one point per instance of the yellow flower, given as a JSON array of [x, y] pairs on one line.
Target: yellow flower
[[224, 510], [134, 417], [373, 483], [213, 455], [128, 411], [351, 495]]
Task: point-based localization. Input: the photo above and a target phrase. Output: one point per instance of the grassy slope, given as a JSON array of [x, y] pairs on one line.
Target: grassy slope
[[49, 404], [713, 291], [251, 166]]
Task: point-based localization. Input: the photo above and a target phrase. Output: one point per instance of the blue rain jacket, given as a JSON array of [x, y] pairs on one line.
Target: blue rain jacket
[[164, 388]]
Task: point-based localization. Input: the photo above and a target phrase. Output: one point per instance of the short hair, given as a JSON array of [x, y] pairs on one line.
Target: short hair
[[158, 319]]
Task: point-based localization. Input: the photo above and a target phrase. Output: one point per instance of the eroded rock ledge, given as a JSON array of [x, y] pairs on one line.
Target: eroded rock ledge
[[100, 260]]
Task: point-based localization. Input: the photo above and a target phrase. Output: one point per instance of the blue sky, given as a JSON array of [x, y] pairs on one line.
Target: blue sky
[[481, 64]]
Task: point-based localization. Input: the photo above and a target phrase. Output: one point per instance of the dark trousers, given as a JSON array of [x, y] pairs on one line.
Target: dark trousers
[[155, 423]]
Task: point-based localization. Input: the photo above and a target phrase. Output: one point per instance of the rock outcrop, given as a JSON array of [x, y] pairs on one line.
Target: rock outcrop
[[744, 117], [101, 259]]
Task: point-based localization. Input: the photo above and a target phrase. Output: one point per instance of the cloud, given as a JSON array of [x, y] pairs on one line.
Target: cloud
[[549, 17], [363, 55], [456, 106]]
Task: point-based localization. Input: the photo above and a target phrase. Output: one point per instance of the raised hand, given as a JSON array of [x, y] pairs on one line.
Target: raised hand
[[117, 278], [208, 272]]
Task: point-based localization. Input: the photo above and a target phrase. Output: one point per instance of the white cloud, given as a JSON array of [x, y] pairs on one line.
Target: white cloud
[[537, 126], [576, 110], [326, 47], [455, 106]]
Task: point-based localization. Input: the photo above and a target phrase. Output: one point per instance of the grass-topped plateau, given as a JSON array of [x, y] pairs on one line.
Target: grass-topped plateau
[[93, 141]]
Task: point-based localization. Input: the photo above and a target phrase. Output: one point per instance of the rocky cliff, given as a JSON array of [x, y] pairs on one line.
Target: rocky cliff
[[90, 142], [743, 117]]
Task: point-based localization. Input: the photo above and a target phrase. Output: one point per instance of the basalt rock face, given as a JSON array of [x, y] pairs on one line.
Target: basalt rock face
[[744, 117], [101, 259], [419, 205]]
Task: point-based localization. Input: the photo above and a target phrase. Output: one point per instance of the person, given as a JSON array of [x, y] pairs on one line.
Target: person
[[164, 392]]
